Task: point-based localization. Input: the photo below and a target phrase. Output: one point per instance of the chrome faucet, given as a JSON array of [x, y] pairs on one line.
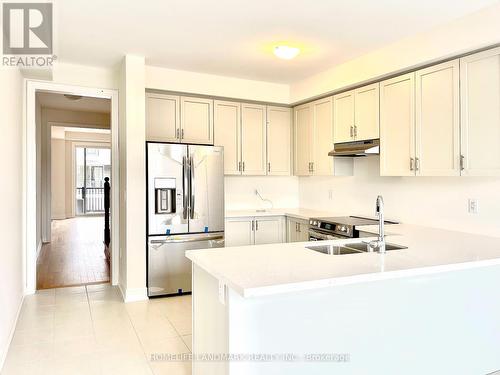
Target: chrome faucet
[[379, 244]]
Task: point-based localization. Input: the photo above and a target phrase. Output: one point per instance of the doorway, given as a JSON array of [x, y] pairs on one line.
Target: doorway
[[74, 163]]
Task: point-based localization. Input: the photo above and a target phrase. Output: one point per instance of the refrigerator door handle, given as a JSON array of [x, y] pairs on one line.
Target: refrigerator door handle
[[215, 236], [191, 189], [185, 188]]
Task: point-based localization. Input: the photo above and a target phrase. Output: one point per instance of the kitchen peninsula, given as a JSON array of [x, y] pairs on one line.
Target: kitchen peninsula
[[430, 308]]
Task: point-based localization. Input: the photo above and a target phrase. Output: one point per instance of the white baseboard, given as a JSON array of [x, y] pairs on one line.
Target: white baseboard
[[5, 350], [133, 295]]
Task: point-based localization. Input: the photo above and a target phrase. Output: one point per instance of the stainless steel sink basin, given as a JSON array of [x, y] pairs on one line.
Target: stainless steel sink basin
[[351, 248]]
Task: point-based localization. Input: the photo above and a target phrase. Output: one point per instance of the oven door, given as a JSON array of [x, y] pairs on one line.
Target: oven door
[[317, 235]]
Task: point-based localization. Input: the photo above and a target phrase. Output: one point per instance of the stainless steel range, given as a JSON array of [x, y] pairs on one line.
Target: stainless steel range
[[332, 228]]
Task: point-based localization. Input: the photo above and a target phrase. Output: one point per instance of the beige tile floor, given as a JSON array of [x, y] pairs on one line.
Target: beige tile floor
[[89, 330]]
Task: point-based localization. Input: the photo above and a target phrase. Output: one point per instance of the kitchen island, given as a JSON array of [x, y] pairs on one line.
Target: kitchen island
[[284, 309]]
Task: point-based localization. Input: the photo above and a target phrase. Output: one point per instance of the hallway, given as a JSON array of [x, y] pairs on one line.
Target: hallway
[[76, 254]]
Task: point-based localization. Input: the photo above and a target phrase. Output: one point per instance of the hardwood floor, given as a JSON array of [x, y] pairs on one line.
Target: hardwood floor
[[76, 254]]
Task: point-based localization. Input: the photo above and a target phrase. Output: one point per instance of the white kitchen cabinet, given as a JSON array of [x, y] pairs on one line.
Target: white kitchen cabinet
[[253, 139], [437, 147], [254, 230], [480, 113], [239, 231], [162, 117], [356, 114], [343, 110], [302, 139], [314, 140], [227, 133], [297, 230], [268, 230], [197, 120], [397, 126], [278, 141], [366, 112], [322, 136]]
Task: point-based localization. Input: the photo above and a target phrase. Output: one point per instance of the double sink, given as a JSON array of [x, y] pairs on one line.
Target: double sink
[[350, 248]]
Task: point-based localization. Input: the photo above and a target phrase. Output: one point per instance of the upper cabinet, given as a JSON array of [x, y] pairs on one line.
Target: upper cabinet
[[162, 117], [253, 139], [278, 141], [437, 107], [419, 123], [313, 137], [480, 113], [397, 126], [256, 138], [197, 120], [171, 118], [356, 114], [227, 133]]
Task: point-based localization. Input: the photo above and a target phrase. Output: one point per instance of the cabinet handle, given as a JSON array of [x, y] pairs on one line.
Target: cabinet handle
[[462, 162], [243, 166], [177, 133], [417, 164], [253, 226], [411, 164], [269, 167], [256, 225], [355, 131], [312, 167], [182, 133], [351, 132], [239, 166]]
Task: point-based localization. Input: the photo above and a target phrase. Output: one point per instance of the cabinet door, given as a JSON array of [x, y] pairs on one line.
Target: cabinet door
[[303, 235], [322, 164], [343, 121], [397, 126], [278, 141], [268, 230], [162, 118], [302, 139], [253, 139], [292, 230], [239, 232], [197, 120], [437, 120], [227, 129], [480, 114], [366, 112]]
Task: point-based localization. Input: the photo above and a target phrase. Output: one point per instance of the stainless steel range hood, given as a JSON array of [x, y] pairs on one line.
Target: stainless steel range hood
[[356, 148]]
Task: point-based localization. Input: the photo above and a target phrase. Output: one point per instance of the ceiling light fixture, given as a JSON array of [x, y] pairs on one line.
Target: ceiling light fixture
[[73, 97], [286, 52]]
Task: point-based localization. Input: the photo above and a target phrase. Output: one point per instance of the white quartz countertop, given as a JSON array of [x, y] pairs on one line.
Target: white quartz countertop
[[289, 267], [299, 213]]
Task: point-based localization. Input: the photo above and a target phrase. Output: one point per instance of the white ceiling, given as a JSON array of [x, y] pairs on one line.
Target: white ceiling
[[85, 104], [234, 37]]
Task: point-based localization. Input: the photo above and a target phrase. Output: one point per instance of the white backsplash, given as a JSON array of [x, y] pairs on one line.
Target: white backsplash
[[281, 191]]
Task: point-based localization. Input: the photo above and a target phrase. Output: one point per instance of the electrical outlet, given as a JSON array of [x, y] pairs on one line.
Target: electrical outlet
[[473, 206], [330, 194]]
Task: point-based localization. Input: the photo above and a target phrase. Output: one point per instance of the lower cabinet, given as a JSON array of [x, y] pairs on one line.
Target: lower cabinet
[[243, 231], [297, 230]]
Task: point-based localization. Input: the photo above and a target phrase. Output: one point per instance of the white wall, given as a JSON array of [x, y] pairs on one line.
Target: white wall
[[240, 192], [11, 203], [58, 179], [434, 201], [468, 33], [132, 178], [209, 84]]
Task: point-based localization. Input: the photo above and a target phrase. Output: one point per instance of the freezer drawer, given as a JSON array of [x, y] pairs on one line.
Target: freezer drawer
[[169, 271]]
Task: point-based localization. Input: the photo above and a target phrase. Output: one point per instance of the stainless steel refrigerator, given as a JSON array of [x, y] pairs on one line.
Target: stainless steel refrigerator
[[185, 199]]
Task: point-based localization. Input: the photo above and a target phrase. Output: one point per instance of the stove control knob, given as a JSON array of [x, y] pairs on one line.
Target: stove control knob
[[342, 228]]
